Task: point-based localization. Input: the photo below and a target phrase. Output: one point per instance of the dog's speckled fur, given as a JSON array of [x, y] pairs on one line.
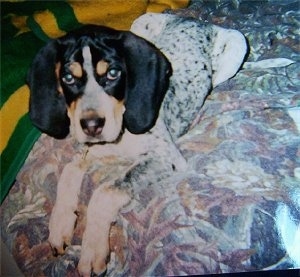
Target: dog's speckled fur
[[202, 56]]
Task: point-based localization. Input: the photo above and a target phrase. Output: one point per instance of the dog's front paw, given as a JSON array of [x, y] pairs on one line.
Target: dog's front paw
[[63, 216], [95, 243], [102, 211], [61, 227], [93, 260]]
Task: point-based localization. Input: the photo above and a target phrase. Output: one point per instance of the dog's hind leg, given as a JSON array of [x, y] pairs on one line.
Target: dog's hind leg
[[228, 53]]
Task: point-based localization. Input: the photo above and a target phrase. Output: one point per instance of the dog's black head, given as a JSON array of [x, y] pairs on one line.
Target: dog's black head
[[97, 80]]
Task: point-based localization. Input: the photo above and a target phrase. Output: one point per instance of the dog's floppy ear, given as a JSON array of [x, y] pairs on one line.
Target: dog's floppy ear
[[148, 73], [47, 106]]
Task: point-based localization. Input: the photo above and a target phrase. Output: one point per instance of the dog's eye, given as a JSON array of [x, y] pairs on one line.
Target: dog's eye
[[68, 79], [113, 74]]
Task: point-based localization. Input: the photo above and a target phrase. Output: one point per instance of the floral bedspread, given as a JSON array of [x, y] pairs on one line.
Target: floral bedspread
[[236, 209]]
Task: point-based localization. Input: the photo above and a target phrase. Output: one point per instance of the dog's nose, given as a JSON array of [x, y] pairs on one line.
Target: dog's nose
[[92, 126]]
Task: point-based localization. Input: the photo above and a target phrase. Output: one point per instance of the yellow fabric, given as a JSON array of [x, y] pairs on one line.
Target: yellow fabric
[[20, 23], [160, 5], [120, 14], [117, 14], [11, 112], [48, 23]]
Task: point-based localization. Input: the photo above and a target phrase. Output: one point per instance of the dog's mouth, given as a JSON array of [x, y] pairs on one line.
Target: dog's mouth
[[116, 141], [93, 130]]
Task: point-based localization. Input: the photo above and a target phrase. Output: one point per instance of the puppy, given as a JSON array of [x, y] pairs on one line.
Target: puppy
[[106, 88]]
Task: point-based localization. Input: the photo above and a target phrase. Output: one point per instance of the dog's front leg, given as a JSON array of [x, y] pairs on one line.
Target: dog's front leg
[[63, 216], [102, 211]]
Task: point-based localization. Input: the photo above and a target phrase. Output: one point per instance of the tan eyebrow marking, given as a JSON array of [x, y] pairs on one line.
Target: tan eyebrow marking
[[101, 67], [71, 108], [76, 69]]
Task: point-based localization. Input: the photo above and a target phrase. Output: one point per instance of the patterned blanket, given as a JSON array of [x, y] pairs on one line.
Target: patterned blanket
[[236, 209]]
